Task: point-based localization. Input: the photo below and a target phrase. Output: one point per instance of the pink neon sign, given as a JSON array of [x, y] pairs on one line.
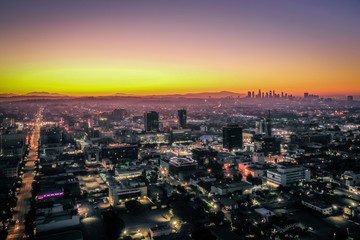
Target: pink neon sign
[[50, 195]]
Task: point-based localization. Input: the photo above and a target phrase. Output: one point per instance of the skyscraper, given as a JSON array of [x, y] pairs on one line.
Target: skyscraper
[[260, 127], [232, 137], [119, 114], [151, 121], [182, 118], [268, 126]]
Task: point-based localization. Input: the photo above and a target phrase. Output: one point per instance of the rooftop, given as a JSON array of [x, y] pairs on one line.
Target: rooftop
[[182, 161]]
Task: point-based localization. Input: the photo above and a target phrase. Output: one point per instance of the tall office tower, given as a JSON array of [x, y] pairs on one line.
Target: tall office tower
[[182, 118], [282, 94], [270, 94], [253, 94], [259, 95], [306, 95], [260, 127], [350, 98], [274, 94], [268, 125], [118, 114], [232, 137], [151, 121], [249, 94], [267, 95]]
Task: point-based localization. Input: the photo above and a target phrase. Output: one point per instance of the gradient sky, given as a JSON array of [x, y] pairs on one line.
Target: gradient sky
[[157, 47]]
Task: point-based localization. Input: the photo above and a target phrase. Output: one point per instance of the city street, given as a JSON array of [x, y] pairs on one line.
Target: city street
[[347, 193], [24, 197]]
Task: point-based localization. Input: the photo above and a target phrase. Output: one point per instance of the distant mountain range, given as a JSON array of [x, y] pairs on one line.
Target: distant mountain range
[[222, 94], [43, 94], [33, 94]]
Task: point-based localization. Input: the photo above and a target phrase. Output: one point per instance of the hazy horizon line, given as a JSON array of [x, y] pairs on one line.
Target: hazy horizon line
[[43, 93]]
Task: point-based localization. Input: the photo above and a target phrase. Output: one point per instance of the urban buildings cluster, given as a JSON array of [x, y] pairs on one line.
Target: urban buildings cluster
[[135, 168], [269, 94]]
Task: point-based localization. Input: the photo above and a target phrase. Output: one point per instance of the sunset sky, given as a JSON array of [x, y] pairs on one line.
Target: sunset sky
[[96, 47]]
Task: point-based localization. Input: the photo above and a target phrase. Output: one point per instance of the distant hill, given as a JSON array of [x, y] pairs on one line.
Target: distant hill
[[221, 94], [7, 94], [43, 94]]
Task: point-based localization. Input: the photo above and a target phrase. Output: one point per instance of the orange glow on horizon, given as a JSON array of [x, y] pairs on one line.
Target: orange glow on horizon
[[148, 51]]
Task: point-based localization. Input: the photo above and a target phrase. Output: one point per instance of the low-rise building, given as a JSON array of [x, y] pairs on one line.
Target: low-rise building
[[56, 222], [264, 213], [284, 226], [351, 178], [229, 204], [160, 230], [287, 175], [68, 235], [178, 166], [318, 205], [124, 190], [225, 188], [9, 168]]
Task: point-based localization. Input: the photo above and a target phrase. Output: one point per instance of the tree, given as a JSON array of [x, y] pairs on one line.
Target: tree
[[253, 180], [217, 218], [214, 166], [185, 211], [227, 180], [3, 234], [200, 232], [181, 189], [256, 181], [249, 177], [238, 177], [12, 201], [219, 176]]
